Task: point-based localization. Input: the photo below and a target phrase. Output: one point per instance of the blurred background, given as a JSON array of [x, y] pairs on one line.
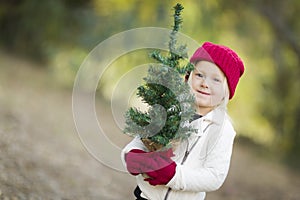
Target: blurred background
[[43, 44]]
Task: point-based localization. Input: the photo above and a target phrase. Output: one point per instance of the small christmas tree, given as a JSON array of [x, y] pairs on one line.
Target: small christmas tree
[[168, 96]]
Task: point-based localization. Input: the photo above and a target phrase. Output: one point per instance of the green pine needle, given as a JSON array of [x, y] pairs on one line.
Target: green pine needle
[[160, 84]]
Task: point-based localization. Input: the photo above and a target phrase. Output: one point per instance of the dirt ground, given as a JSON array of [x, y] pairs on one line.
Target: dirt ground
[[41, 156]]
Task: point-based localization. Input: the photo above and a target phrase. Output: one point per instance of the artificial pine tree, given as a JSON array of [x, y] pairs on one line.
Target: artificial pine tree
[[168, 96]]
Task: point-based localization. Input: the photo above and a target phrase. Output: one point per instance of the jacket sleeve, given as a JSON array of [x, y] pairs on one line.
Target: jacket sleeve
[[212, 173], [136, 143]]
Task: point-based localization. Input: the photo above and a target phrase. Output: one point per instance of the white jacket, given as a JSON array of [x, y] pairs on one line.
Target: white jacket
[[206, 166]]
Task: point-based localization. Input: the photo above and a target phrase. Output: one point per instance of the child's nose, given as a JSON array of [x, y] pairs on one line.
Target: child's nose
[[204, 83]]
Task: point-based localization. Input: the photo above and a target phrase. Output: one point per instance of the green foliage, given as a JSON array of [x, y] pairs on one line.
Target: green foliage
[[63, 31], [272, 74], [30, 27], [165, 86]]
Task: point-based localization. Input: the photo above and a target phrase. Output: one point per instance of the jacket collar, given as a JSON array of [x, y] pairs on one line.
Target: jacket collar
[[216, 116]]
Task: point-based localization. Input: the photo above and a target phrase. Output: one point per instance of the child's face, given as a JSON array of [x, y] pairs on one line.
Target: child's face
[[207, 84]]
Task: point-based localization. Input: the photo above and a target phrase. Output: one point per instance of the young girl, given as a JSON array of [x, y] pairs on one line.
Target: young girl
[[199, 164]]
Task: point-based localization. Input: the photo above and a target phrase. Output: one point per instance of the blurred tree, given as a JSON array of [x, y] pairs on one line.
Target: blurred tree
[[29, 26], [285, 87], [282, 108], [41, 29], [265, 33]]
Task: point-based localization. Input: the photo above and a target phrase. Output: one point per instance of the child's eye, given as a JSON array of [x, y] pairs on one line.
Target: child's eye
[[199, 75], [217, 80]]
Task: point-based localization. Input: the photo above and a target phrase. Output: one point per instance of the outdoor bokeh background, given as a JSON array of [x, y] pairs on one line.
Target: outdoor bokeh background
[[43, 44]]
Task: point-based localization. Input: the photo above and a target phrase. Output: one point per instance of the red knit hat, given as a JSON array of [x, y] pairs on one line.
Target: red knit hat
[[225, 58]]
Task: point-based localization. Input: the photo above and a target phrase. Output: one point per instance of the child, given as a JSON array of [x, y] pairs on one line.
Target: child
[[199, 164]]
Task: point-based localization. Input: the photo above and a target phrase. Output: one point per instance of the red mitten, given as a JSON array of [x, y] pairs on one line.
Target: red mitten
[[133, 159], [166, 154], [139, 161], [161, 176], [159, 160]]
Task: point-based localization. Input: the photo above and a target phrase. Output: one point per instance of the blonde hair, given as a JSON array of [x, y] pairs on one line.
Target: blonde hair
[[225, 100]]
